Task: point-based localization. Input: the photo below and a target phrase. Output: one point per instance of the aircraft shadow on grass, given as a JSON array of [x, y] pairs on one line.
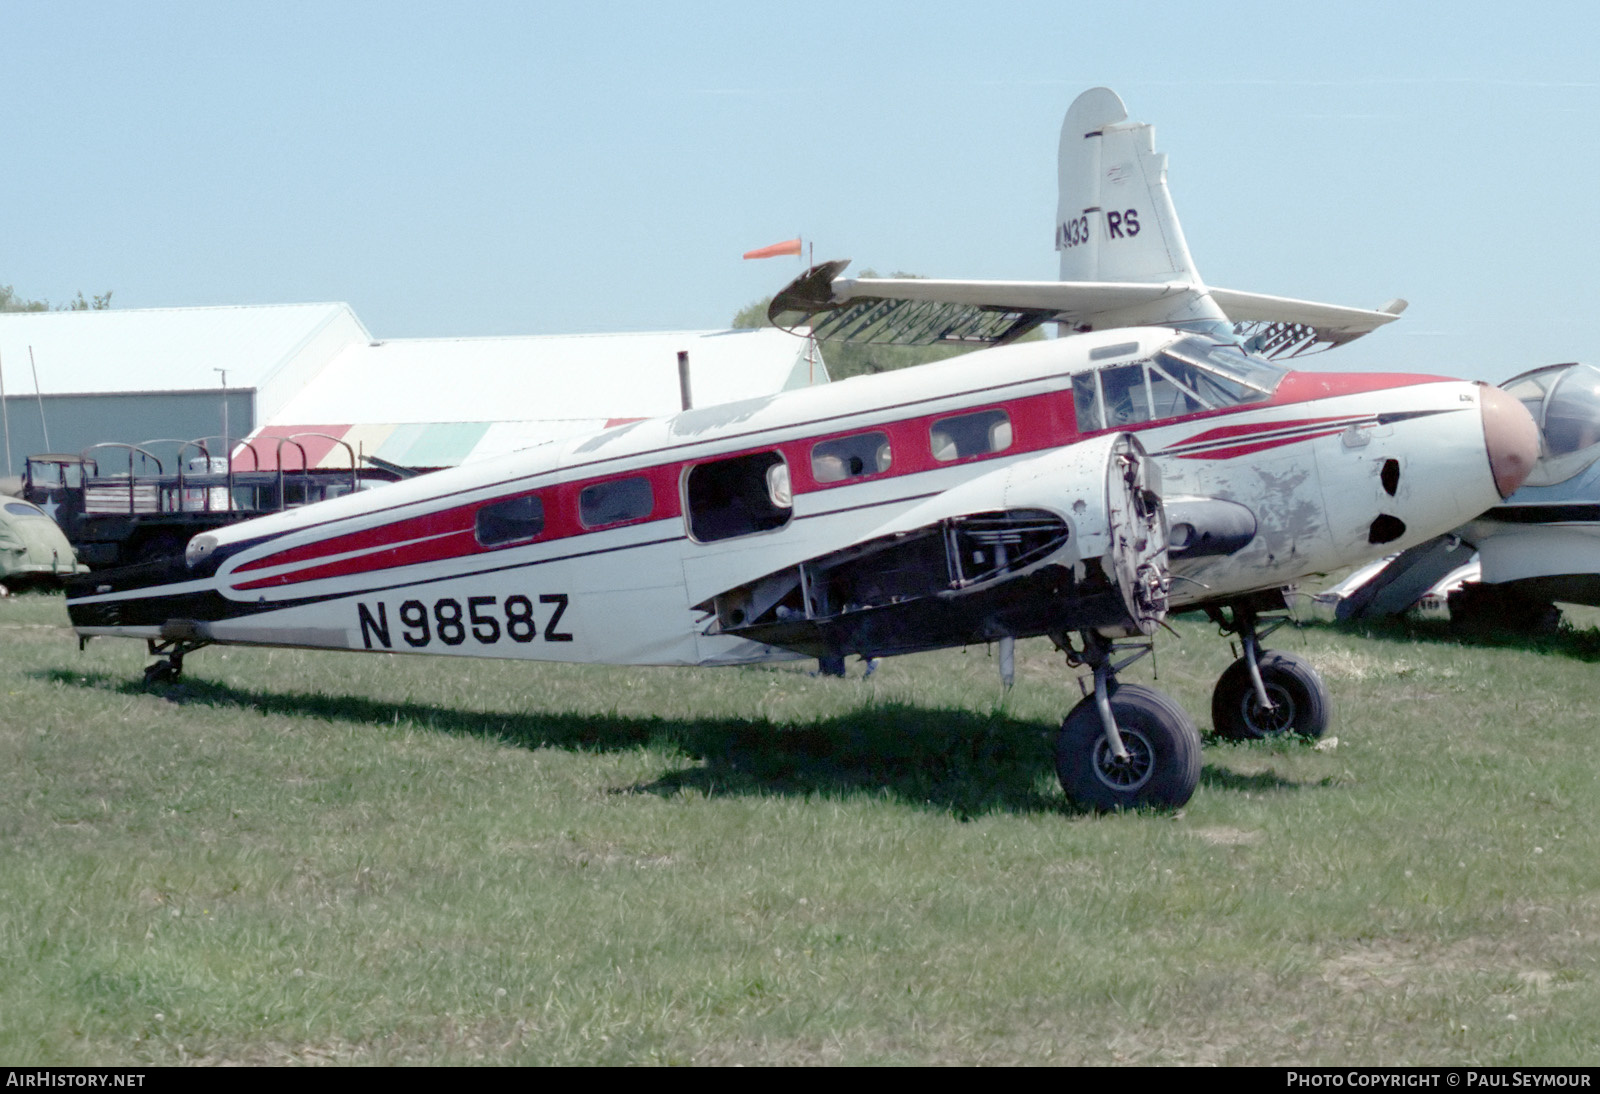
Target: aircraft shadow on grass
[[1260, 782], [1577, 644], [954, 761]]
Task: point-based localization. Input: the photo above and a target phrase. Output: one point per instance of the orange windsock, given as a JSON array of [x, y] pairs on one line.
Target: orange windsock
[[787, 247]]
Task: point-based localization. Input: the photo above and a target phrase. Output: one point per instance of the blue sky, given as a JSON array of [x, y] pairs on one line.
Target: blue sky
[[483, 169]]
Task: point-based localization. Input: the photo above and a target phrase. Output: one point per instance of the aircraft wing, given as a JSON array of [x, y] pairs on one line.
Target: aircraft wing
[[926, 312], [1280, 326]]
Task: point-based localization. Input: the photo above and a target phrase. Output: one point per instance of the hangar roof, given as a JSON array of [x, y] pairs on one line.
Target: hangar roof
[[423, 402], [415, 380], [432, 402], [160, 349]]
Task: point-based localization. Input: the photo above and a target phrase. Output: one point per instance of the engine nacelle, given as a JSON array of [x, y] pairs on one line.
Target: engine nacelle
[[1071, 539]]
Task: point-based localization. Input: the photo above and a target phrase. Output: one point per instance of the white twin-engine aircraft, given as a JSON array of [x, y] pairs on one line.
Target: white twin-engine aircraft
[[1080, 487]]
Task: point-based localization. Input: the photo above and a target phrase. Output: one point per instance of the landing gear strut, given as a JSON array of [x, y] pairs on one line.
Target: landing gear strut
[[1266, 693], [1125, 745], [171, 651]]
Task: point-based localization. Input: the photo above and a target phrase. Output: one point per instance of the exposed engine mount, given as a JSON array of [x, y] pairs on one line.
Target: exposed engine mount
[[1071, 539]]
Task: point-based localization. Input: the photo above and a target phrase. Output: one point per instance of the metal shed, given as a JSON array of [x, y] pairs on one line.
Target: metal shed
[[76, 378]]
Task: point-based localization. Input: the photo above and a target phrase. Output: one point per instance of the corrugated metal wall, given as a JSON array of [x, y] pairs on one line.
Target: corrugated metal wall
[[77, 421]]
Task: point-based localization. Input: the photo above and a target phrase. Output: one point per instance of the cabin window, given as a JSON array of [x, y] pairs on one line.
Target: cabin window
[[1086, 401], [514, 520], [615, 501], [970, 435], [1171, 397], [1123, 395], [1126, 395], [850, 457], [738, 496], [22, 509]]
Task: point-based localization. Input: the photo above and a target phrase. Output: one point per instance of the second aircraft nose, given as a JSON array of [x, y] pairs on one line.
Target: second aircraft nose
[[1510, 437]]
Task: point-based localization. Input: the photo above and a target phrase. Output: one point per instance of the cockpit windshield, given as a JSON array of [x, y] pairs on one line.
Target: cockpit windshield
[[1229, 362], [1187, 377], [1565, 401]]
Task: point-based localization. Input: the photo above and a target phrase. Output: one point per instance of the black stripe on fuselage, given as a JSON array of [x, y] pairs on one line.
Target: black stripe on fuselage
[[1544, 514]]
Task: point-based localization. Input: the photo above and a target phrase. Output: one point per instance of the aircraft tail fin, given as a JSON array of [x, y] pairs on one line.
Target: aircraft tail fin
[[1114, 219], [1124, 263]]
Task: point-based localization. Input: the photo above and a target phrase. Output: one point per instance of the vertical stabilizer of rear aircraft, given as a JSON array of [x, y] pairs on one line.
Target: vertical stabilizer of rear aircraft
[[1115, 220]]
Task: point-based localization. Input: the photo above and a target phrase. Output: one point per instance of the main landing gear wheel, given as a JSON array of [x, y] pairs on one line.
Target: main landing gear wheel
[[1162, 768], [1300, 700]]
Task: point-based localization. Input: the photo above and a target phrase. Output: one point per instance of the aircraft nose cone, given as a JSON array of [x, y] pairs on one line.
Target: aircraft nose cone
[[1511, 438]]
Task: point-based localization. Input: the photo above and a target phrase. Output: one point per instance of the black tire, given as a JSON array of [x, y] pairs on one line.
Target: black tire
[[1301, 704], [1163, 748], [162, 672]]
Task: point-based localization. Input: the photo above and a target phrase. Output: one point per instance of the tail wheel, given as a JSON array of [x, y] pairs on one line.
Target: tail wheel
[[1162, 767], [163, 672], [1300, 701]]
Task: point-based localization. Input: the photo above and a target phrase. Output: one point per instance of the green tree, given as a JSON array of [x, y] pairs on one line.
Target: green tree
[[863, 358], [10, 301], [99, 303], [749, 317]]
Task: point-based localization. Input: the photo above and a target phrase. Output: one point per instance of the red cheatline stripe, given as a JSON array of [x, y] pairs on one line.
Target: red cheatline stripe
[[1191, 448], [1259, 446], [1246, 429], [444, 522], [429, 550]]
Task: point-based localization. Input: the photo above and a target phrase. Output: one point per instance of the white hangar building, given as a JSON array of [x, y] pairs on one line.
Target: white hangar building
[[133, 375], [441, 402], [76, 378]]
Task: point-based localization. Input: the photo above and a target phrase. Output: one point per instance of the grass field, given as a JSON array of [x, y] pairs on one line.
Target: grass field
[[325, 858]]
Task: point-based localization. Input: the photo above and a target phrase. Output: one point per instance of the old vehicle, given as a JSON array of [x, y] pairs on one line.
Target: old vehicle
[[32, 547], [150, 506]]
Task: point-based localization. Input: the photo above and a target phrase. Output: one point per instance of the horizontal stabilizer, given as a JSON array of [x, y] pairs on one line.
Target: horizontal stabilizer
[[923, 312], [926, 312], [1279, 326]]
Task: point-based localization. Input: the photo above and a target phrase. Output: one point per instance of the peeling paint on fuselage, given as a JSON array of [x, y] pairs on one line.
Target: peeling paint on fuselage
[[1315, 500], [694, 422]]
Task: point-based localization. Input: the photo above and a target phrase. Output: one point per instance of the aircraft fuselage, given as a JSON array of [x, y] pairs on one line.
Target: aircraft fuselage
[[641, 528]]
